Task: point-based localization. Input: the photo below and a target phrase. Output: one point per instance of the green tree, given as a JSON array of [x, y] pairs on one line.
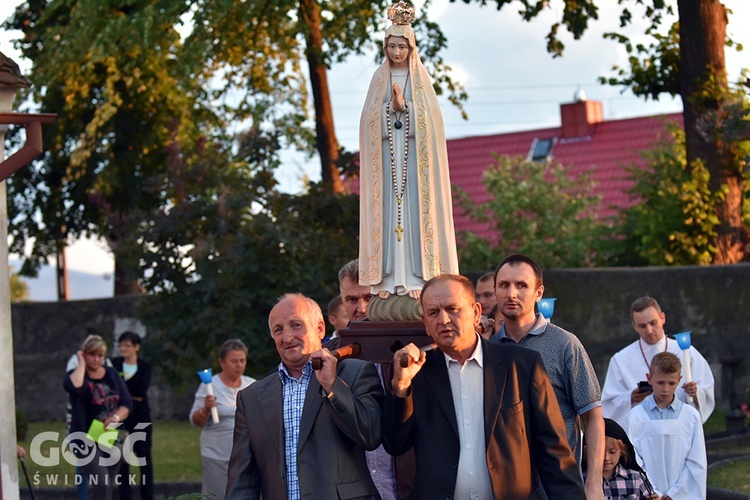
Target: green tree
[[675, 221], [537, 208], [687, 61], [229, 244], [19, 289], [242, 260], [110, 71]]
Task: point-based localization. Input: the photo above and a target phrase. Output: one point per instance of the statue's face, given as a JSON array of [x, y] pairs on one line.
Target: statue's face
[[397, 48]]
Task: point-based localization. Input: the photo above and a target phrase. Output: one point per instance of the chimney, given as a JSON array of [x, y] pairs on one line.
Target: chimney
[[579, 118]]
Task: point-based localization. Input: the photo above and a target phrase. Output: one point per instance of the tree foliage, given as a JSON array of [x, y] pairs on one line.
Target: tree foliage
[[19, 289], [242, 260], [675, 220], [110, 72], [537, 208], [575, 18], [654, 68], [216, 257]]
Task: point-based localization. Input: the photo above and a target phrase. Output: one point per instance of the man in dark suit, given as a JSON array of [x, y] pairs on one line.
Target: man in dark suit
[[482, 418], [299, 435]]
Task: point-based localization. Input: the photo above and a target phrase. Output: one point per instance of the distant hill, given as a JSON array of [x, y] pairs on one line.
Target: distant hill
[[81, 285]]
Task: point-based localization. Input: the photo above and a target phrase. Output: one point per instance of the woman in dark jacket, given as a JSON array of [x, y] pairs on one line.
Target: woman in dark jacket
[[137, 375], [98, 393]]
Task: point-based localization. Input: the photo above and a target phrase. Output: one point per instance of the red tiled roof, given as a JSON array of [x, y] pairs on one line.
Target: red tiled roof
[[611, 145]]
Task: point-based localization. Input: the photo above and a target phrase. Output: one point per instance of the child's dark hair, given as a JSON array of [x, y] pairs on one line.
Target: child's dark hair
[[666, 363], [131, 337]]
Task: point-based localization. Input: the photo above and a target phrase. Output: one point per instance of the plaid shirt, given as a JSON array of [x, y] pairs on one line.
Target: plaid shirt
[[293, 393], [625, 484]]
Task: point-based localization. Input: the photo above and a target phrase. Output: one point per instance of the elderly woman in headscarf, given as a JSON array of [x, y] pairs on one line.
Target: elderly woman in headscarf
[[406, 220]]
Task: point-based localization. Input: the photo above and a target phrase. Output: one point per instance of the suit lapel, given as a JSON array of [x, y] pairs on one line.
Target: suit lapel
[[272, 406], [495, 378], [436, 376], [313, 402]]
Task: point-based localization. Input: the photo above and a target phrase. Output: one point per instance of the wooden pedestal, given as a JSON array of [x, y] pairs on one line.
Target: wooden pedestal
[[380, 339]]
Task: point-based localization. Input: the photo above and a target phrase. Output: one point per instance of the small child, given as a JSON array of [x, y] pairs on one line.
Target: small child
[[622, 477], [668, 435]]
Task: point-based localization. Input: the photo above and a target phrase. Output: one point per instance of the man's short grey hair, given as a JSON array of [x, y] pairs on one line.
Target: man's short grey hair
[[350, 270], [314, 313]]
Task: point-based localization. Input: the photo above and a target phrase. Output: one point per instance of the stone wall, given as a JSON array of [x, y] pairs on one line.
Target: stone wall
[[713, 302]]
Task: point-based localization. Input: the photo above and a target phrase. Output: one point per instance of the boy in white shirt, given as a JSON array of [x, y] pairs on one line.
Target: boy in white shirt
[[668, 435]]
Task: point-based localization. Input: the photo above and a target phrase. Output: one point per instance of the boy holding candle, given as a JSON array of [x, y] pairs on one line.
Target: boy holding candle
[[668, 435]]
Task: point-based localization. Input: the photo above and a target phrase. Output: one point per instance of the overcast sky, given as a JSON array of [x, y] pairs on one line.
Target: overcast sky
[[512, 82]]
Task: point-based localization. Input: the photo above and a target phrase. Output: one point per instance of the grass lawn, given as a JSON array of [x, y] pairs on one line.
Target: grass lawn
[[715, 423], [176, 454], [734, 476]]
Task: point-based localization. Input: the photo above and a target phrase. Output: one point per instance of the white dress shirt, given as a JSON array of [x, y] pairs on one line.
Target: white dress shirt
[[467, 387]]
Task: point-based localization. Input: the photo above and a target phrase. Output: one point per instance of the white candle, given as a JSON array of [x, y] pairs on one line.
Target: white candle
[[686, 369], [214, 410]]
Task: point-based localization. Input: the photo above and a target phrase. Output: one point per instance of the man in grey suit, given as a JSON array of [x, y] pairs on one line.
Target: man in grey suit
[[482, 418], [299, 435]]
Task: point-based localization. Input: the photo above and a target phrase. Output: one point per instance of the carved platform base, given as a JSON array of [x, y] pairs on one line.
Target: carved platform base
[[394, 308]]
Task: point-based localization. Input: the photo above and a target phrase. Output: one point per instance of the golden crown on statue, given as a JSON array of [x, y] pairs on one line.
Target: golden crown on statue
[[401, 13]]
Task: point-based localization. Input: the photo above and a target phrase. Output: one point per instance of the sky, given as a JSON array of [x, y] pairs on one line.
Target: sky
[[512, 82]]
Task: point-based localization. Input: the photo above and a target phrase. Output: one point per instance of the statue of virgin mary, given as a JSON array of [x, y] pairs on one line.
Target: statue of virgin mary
[[406, 231]]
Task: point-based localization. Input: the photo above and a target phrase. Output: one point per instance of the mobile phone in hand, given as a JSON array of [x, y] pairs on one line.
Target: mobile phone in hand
[[644, 386]]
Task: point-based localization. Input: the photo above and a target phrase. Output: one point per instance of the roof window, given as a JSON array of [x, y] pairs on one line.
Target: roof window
[[541, 149]]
